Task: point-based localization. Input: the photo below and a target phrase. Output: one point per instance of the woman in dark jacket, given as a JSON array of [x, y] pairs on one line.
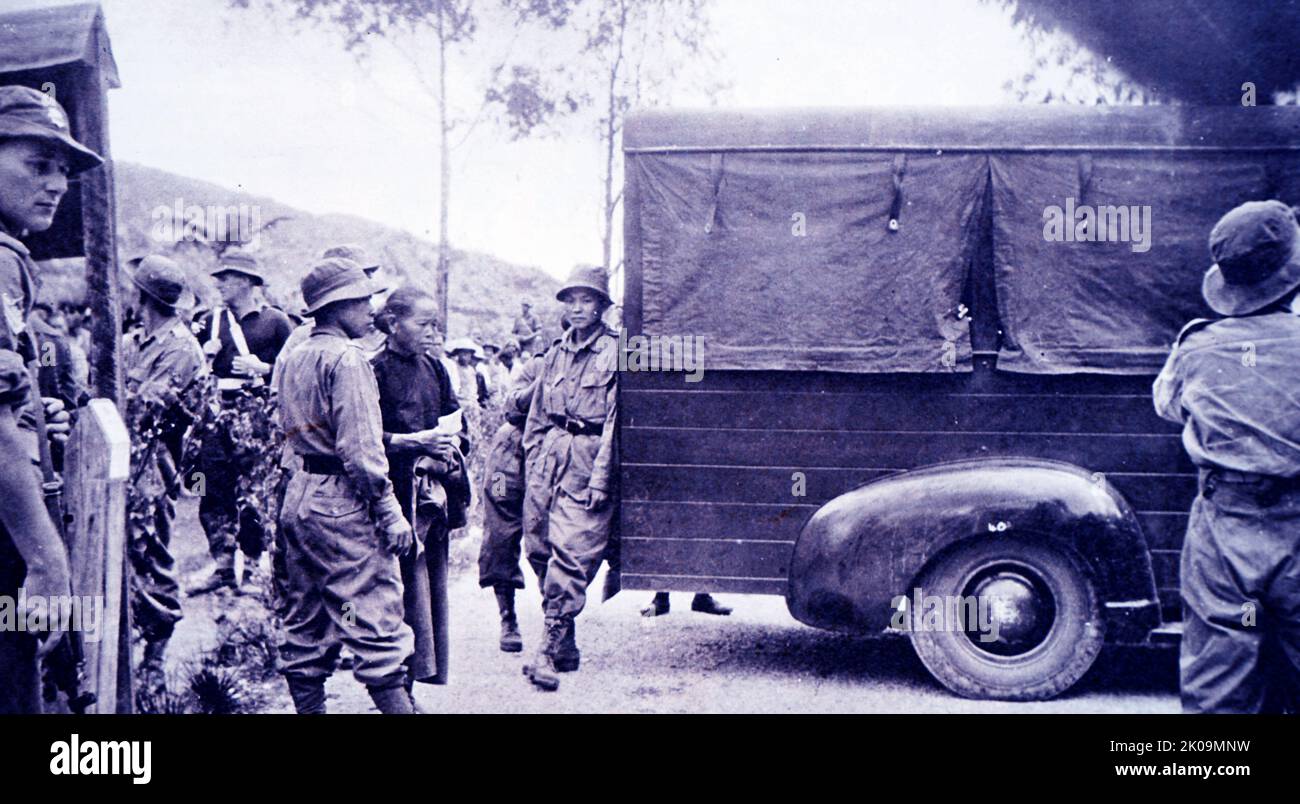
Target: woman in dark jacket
[[414, 391]]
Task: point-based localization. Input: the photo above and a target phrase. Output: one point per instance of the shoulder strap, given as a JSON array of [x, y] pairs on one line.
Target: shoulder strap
[[1192, 326]]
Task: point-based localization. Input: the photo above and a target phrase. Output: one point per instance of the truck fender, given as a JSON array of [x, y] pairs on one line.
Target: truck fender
[[860, 551]]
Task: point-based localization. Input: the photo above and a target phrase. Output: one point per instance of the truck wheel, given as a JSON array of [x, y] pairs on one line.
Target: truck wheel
[[1020, 620]]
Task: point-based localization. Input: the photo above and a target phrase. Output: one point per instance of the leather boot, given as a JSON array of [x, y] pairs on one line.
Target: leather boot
[[541, 671], [511, 640], [308, 694], [705, 604], [566, 655], [391, 699], [658, 605]]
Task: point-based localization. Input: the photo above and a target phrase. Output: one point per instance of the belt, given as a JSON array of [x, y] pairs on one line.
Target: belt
[[578, 426], [237, 383], [322, 465], [1267, 489]]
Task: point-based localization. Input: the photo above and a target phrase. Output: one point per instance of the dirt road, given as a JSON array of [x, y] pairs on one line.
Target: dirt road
[[757, 660]]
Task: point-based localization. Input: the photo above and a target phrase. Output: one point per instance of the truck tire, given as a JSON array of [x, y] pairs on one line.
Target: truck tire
[[1038, 624]]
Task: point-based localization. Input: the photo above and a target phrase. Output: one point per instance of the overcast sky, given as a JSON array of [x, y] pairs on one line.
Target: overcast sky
[[244, 100]]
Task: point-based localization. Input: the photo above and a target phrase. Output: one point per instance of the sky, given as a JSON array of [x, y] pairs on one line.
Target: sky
[[249, 100]]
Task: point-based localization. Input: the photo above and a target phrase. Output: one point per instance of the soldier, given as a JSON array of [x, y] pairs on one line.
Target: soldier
[[37, 155], [242, 338], [341, 525], [569, 454], [503, 491], [1234, 384], [303, 330], [526, 328], [162, 362]]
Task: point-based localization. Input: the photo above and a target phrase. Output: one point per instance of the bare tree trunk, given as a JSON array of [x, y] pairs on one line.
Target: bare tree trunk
[[611, 131], [444, 182]]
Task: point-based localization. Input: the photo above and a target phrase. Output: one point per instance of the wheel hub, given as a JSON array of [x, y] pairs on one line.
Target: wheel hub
[[1015, 610]]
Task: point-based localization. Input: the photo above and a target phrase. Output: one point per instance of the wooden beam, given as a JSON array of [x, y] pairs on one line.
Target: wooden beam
[[99, 223]]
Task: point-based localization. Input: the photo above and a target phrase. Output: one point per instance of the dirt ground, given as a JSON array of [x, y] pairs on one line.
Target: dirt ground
[[757, 660]]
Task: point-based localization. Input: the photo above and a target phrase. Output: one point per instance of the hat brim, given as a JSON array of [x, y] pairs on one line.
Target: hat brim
[[579, 286], [80, 158], [355, 290], [145, 290], [1226, 299], [235, 269]]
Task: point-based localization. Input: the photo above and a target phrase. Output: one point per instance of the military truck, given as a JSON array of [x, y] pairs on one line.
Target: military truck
[[929, 338]]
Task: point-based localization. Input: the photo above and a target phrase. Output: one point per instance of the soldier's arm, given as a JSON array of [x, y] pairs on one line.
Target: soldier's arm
[[359, 434], [1167, 391], [520, 396], [603, 466], [23, 512]]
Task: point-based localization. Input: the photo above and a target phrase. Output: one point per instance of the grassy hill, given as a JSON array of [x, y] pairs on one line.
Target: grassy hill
[[484, 295]]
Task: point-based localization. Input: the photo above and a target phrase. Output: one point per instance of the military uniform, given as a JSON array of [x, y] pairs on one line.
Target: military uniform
[[1235, 386], [339, 585], [161, 366], [569, 451], [27, 113], [503, 487], [503, 512], [20, 688]]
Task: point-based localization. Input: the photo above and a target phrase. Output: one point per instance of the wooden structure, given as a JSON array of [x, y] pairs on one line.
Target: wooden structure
[[65, 51]]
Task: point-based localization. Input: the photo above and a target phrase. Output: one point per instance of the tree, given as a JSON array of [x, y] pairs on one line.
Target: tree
[[451, 23], [1064, 71], [620, 54]]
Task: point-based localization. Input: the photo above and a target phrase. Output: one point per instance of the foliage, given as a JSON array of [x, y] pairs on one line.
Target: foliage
[[250, 425], [1064, 71]]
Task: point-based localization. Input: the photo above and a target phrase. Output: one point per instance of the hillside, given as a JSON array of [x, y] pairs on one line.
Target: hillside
[[485, 292]]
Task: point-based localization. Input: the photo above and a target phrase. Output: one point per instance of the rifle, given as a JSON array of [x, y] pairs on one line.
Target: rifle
[[65, 666]]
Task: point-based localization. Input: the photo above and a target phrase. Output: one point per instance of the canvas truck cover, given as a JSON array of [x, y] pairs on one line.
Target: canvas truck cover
[[769, 234]]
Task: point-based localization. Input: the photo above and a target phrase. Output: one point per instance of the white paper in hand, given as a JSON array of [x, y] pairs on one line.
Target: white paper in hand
[[449, 424]]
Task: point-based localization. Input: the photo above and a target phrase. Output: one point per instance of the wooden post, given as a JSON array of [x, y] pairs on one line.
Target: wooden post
[[99, 222], [97, 466]]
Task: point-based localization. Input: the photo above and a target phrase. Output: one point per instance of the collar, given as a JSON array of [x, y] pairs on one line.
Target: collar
[[328, 329], [570, 339], [257, 307], [164, 326]]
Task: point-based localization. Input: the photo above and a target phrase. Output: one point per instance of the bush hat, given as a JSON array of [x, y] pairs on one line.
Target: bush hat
[[1256, 253], [336, 279], [31, 114]]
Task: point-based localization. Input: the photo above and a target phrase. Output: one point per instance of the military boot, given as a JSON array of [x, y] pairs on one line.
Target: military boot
[[541, 671], [153, 673], [391, 699], [566, 653], [511, 640], [308, 694]]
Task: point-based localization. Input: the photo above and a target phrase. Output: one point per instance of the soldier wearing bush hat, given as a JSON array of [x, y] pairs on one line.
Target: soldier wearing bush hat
[[1233, 384], [163, 360], [336, 503], [37, 154], [570, 475]]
